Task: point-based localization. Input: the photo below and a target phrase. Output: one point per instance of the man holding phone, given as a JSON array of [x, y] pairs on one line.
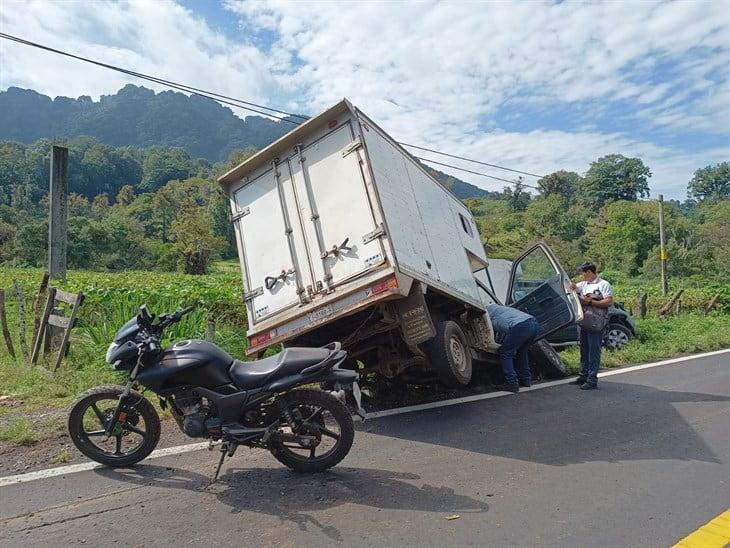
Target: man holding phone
[[596, 296]]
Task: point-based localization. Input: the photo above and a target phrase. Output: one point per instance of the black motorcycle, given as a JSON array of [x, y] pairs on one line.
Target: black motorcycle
[[212, 396]]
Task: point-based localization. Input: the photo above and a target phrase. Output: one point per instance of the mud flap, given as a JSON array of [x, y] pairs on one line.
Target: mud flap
[[415, 322]]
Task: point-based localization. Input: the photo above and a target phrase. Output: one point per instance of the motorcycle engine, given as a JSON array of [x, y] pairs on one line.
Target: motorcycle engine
[[194, 413]]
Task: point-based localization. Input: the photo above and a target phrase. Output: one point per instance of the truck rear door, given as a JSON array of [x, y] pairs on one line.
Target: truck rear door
[[274, 255], [339, 226], [539, 286]]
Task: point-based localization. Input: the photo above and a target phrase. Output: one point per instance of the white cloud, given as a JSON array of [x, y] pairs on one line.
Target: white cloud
[[160, 38], [428, 72], [434, 73]]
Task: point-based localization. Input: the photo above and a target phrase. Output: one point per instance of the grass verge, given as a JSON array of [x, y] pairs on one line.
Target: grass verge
[[659, 339]]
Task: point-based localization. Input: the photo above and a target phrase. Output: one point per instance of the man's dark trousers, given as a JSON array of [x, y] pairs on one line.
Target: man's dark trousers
[[590, 355], [514, 349]]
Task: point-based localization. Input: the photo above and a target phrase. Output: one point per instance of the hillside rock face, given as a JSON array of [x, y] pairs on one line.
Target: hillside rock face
[[139, 117]]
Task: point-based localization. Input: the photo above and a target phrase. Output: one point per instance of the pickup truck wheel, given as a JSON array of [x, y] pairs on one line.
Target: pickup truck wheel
[[449, 354], [616, 336], [547, 360]]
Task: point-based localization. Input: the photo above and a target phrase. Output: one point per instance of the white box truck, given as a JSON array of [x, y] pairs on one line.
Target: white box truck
[[343, 235]]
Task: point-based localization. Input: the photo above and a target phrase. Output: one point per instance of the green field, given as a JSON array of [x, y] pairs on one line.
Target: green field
[[114, 298]]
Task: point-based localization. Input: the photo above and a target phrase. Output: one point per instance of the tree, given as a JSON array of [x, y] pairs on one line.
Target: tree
[[195, 239], [100, 206], [624, 233], [613, 178], [517, 197], [162, 164], [125, 195], [711, 183], [563, 183]]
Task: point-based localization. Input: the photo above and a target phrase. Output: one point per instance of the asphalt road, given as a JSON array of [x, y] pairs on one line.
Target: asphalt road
[[642, 461]]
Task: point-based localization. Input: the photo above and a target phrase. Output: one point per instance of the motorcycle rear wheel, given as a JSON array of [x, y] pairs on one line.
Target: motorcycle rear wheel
[[325, 418], [131, 440]]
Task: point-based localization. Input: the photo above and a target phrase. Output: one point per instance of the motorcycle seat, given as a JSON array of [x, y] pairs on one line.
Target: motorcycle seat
[[256, 373]]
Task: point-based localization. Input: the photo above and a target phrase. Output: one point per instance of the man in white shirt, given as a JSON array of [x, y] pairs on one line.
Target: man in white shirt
[[595, 292]]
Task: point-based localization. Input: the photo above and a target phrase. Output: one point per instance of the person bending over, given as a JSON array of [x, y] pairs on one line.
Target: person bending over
[[517, 330]]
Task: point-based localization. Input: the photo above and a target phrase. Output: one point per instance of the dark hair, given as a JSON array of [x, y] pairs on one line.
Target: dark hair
[[585, 267]]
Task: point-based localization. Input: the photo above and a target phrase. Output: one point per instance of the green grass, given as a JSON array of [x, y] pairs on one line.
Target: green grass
[[23, 431], [664, 338]]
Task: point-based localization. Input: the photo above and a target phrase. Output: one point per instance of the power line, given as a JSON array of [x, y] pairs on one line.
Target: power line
[[475, 172], [249, 106], [246, 105], [475, 161]]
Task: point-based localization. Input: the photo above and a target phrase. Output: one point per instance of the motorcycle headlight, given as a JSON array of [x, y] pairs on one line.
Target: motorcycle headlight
[[110, 352]]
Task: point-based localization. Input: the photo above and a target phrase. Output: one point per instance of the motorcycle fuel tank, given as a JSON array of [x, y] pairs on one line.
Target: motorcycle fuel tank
[[192, 362]]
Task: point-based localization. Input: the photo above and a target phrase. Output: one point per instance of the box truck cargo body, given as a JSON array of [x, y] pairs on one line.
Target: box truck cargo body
[[343, 235]]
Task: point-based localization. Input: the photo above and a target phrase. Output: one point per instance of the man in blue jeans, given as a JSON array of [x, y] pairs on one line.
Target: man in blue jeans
[[516, 330], [592, 291]]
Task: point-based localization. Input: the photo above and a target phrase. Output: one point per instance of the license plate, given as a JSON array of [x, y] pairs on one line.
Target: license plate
[[320, 314]]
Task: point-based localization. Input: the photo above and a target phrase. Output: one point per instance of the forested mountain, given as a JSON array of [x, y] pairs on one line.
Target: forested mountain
[[139, 117]]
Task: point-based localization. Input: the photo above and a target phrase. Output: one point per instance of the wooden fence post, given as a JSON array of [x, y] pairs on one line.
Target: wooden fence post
[[668, 307], [4, 321], [41, 335], [210, 328], [641, 305], [21, 319], [38, 303], [712, 303]]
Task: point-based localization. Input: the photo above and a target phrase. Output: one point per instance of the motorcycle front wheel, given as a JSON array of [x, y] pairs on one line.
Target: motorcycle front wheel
[[317, 415], [131, 440]]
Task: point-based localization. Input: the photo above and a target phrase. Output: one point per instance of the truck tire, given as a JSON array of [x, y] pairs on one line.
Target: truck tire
[[449, 354], [546, 360]]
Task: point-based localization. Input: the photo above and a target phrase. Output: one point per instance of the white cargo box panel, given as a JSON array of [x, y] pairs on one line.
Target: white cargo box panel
[[336, 205], [305, 224], [433, 234]]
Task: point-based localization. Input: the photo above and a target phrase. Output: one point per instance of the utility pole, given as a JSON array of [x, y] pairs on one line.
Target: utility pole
[[662, 246], [58, 214]]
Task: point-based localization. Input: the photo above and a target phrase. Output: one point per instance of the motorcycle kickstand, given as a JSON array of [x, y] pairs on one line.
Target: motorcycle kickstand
[[227, 449]]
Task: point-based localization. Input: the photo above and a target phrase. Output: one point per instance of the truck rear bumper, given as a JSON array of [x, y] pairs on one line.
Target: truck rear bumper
[[384, 289]]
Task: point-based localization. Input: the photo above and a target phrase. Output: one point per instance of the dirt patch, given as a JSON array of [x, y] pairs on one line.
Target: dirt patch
[[58, 450]]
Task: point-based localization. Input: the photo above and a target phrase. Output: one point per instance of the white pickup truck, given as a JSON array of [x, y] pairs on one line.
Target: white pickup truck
[[343, 235]]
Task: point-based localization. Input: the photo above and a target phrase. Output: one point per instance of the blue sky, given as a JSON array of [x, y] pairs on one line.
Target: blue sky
[[537, 86]]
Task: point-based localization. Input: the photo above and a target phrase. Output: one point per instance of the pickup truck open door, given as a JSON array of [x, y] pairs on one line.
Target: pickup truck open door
[[539, 286]]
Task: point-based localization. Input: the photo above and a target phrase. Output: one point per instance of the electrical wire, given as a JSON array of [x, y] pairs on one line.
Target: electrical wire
[[471, 160], [246, 105], [258, 109], [476, 172]]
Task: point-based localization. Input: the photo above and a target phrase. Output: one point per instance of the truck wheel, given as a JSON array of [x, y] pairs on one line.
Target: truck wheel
[[449, 354], [547, 360]]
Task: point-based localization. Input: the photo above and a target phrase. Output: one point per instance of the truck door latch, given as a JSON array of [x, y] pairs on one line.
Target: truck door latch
[[337, 249], [377, 233], [271, 281]]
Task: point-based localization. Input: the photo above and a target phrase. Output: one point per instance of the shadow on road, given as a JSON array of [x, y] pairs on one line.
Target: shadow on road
[[295, 497], [563, 425]]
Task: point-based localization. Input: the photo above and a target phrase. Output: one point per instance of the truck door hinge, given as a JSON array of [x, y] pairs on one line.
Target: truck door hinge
[[245, 211], [377, 233], [352, 147], [251, 295]]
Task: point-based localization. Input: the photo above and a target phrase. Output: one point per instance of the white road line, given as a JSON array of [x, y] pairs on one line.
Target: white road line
[[491, 395], [84, 466]]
